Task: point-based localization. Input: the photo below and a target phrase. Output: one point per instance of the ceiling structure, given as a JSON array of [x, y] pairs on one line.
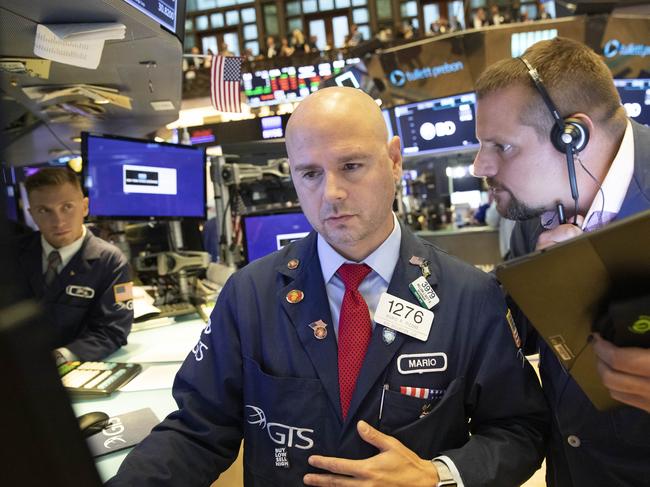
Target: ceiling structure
[[145, 66]]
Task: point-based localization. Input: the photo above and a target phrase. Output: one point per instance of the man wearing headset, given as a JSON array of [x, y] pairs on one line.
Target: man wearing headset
[[588, 157]]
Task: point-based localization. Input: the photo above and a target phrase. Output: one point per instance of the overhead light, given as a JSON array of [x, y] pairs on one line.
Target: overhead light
[[76, 139], [158, 139], [162, 105], [75, 164], [101, 101]]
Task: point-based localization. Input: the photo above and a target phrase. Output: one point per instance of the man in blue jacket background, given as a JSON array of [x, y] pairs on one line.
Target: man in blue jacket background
[[83, 282], [528, 175], [409, 376]]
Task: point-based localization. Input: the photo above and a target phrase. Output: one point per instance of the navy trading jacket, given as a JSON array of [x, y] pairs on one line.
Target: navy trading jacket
[[588, 447], [259, 373], [88, 307]]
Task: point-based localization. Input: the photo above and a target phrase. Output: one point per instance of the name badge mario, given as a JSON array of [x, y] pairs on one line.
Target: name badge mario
[[422, 363], [80, 291]]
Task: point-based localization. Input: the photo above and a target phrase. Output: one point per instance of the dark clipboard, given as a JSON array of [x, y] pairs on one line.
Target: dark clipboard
[[564, 289]]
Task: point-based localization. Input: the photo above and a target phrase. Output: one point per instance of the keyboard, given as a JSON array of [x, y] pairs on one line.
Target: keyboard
[[96, 378], [175, 309]]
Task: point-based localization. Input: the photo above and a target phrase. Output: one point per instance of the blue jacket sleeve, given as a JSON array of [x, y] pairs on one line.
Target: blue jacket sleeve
[[194, 444], [507, 435], [108, 321]]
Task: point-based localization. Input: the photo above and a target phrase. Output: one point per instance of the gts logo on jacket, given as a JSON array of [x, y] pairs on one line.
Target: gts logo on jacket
[[282, 434]]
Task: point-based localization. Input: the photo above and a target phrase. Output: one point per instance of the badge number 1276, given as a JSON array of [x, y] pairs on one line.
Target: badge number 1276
[[403, 316]]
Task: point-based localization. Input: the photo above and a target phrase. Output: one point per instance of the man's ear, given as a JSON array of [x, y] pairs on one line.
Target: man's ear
[[395, 155], [85, 203]]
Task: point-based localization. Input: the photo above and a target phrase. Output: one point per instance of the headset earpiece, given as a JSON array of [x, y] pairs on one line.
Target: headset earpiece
[[568, 135], [574, 132]]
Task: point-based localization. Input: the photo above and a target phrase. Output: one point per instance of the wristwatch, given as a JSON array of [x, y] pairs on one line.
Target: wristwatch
[[445, 477]]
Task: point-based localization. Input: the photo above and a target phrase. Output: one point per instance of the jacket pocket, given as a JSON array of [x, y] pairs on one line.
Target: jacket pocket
[[427, 427], [285, 421], [632, 426]]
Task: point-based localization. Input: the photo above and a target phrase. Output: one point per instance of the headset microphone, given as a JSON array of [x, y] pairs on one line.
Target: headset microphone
[[568, 135]]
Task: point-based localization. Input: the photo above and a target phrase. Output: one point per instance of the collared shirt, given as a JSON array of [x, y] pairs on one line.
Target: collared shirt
[[617, 180], [614, 186], [66, 253], [382, 262]]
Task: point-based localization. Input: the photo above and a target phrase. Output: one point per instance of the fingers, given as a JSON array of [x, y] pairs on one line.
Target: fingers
[[631, 360], [329, 480], [341, 466], [375, 437], [558, 234], [625, 372]]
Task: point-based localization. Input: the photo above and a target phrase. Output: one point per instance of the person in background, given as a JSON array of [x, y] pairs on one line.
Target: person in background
[[302, 361], [298, 42], [480, 18], [271, 49], [196, 60], [439, 27], [495, 16], [285, 49], [83, 282], [207, 61], [543, 13], [313, 44], [355, 36], [528, 177], [224, 49]]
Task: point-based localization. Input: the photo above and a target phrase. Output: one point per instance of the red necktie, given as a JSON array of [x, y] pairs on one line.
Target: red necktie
[[355, 330]]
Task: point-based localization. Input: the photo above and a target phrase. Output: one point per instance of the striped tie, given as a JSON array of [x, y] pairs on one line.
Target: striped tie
[[53, 261]]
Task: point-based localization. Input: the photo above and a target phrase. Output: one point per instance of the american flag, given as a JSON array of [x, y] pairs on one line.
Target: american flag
[[226, 82]]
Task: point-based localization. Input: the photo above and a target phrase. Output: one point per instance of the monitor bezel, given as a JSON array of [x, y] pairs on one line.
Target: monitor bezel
[[84, 172], [619, 89]]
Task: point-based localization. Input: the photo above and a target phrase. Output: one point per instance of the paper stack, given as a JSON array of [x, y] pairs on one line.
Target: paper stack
[[98, 94], [76, 44]]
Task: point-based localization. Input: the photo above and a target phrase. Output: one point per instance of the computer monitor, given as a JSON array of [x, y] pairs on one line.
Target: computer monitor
[[437, 125], [43, 444], [267, 232], [272, 127], [635, 97], [11, 196], [135, 179]]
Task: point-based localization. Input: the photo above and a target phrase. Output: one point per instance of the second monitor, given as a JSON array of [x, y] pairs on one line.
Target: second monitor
[[267, 232], [131, 178]]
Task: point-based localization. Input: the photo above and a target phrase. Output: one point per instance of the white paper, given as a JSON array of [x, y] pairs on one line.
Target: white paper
[[84, 54], [153, 377], [103, 31]]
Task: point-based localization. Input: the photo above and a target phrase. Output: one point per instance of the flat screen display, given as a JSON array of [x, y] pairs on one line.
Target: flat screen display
[[131, 178], [266, 233], [438, 125], [162, 11], [635, 96], [11, 202], [290, 83], [272, 127]]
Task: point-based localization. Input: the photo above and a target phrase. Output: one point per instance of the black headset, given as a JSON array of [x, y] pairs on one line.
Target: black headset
[[568, 135]]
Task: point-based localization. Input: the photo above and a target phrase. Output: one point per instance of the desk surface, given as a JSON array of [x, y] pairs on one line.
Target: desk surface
[[168, 345]]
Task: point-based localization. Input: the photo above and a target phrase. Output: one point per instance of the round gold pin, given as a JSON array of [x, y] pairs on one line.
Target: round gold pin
[[320, 329], [295, 296], [293, 264], [320, 332]]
